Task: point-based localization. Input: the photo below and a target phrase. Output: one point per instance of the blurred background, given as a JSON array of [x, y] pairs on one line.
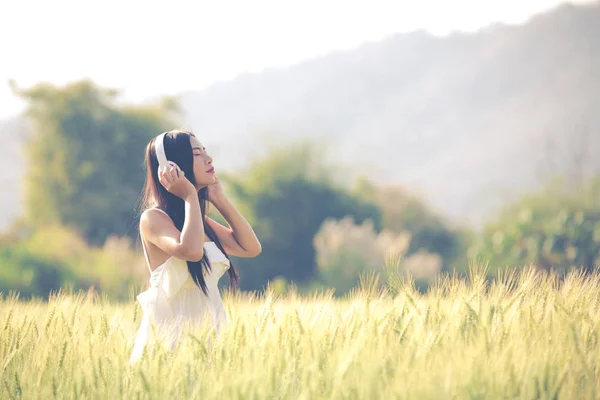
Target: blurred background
[[356, 136]]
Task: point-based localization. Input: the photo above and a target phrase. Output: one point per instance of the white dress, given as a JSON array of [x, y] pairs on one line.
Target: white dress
[[174, 298]]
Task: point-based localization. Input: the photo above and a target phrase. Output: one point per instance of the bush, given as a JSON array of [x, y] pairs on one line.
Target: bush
[[404, 211], [346, 251], [29, 274], [551, 230], [50, 257]]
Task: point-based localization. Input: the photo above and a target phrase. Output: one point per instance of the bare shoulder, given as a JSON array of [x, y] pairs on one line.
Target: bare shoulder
[[154, 218]]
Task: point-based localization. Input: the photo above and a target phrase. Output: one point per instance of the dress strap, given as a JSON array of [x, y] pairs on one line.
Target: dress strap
[[145, 252], [143, 243]]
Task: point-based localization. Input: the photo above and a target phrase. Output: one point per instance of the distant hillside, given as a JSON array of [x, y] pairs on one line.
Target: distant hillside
[[468, 119], [465, 118]]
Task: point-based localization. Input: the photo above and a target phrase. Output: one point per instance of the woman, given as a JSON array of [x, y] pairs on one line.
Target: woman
[[186, 251]]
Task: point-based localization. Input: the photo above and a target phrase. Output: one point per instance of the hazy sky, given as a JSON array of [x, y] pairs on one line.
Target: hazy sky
[[148, 48]]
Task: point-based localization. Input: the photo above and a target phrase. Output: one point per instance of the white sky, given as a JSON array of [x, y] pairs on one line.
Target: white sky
[[149, 48]]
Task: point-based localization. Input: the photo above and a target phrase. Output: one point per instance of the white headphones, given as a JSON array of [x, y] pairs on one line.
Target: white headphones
[[159, 147]]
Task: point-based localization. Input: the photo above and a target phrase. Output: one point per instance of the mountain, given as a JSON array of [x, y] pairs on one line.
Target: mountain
[[468, 120]]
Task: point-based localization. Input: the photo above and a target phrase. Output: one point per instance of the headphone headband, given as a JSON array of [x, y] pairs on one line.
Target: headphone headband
[[159, 147]]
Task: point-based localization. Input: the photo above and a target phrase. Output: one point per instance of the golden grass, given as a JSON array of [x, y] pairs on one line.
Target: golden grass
[[525, 336]]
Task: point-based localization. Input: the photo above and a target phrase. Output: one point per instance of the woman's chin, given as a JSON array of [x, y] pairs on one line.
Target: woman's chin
[[207, 182]]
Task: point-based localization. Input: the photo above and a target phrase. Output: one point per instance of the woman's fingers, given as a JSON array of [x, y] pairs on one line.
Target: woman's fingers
[[164, 177], [170, 175]]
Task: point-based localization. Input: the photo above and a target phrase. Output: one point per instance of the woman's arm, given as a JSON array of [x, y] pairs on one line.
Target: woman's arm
[[239, 239], [158, 229]]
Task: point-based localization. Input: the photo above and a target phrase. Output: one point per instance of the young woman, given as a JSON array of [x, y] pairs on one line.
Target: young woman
[[186, 251]]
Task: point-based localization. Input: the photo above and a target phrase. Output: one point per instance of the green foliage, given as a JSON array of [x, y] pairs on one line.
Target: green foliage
[[550, 229], [85, 157], [287, 195], [29, 274], [53, 257]]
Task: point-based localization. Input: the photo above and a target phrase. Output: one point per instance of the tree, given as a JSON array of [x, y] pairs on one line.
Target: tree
[[85, 157], [29, 274], [552, 229], [287, 195]]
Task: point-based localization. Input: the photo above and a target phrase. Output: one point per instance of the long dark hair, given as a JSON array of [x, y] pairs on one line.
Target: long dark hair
[[178, 149]]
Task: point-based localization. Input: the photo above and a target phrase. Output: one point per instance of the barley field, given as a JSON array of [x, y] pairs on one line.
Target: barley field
[[527, 335]]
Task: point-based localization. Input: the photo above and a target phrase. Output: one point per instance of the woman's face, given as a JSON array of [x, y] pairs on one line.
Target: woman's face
[[203, 169]]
